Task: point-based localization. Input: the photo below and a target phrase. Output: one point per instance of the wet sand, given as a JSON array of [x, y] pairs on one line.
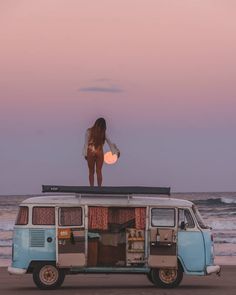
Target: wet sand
[[122, 284]]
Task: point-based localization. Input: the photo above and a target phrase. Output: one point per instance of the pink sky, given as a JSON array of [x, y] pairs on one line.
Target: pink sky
[[163, 74]]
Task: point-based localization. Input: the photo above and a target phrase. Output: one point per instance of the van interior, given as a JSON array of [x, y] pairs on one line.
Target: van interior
[[116, 236]]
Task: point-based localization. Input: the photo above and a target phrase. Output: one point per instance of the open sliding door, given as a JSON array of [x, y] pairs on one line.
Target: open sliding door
[[162, 239], [70, 237]]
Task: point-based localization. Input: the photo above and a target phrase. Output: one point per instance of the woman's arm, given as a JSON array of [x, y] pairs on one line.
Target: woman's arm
[[114, 149], [86, 143]]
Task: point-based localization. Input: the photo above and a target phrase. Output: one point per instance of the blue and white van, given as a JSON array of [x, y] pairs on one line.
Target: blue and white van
[[110, 230]]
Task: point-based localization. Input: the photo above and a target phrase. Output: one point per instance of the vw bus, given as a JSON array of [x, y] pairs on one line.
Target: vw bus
[[132, 230]]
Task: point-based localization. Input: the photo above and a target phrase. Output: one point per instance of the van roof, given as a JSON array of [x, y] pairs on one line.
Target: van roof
[[106, 200]]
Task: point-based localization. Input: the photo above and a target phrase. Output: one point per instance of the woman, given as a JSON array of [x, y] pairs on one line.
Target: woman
[[95, 138]]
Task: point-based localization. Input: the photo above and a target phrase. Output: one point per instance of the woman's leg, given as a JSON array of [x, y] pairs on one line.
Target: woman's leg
[[99, 163], [91, 159]]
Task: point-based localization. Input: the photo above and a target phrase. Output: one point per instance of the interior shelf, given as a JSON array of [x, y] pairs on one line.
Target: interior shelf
[[135, 251]]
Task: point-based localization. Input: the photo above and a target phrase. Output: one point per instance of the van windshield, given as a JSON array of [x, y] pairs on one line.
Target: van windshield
[[199, 218]]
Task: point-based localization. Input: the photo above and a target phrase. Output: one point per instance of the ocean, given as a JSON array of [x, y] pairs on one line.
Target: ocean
[[217, 209]]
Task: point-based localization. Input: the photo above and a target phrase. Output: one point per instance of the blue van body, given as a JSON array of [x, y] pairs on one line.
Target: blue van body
[[24, 252]]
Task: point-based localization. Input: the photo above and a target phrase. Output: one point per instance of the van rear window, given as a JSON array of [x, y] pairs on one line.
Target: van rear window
[[43, 216], [23, 215], [71, 216]]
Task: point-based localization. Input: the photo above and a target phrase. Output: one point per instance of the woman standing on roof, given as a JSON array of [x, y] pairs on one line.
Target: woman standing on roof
[[95, 138]]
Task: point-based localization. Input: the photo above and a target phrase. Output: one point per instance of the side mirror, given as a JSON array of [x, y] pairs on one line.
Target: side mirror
[[183, 225]]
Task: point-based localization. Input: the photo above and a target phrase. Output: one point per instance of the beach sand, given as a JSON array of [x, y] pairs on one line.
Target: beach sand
[[122, 284]]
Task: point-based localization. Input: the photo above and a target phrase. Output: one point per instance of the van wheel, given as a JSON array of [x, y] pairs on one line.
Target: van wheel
[[149, 276], [166, 277], [48, 276]]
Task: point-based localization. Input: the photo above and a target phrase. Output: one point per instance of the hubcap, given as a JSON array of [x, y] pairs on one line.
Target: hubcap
[[48, 275], [168, 276]]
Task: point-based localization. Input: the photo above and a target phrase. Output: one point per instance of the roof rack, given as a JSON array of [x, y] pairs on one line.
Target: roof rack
[[107, 190]]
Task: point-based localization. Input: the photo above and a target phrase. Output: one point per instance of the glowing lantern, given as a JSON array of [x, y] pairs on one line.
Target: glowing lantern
[[109, 158]]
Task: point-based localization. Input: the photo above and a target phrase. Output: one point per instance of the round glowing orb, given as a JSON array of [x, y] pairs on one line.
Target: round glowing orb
[[109, 158]]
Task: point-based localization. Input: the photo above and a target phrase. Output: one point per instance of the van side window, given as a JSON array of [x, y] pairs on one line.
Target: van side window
[[163, 217], [23, 215], [70, 216], [43, 216], [185, 215]]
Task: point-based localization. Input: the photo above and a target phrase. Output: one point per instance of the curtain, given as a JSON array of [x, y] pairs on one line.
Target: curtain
[[71, 216], [98, 218], [121, 215], [43, 215], [22, 218], [140, 218]]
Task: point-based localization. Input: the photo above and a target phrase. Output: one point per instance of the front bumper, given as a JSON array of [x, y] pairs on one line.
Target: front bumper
[[213, 269], [16, 271]]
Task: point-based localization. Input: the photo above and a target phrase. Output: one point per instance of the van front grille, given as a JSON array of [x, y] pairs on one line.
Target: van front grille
[[37, 238]]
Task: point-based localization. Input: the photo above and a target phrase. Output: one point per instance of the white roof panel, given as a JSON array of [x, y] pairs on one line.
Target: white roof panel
[[106, 200]]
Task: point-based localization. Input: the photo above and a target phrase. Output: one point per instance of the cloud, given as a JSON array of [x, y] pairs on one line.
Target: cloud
[[102, 85], [100, 89]]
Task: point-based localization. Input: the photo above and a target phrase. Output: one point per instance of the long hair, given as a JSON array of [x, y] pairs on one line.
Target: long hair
[[97, 132]]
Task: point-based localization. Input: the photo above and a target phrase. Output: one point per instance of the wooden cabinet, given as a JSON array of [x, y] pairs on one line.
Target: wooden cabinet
[[135, 247]]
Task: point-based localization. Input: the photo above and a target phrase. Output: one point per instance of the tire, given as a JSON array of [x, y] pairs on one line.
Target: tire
[[166, 278], [48, 276], [149, 276]]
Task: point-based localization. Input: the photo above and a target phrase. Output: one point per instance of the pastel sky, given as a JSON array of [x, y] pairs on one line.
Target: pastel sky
[[162, 73]]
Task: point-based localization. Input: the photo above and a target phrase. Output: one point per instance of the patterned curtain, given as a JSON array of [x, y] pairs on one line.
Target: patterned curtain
[[22, 218], [71, 216], [43, 215], [140, 218], [120, 215], [98, 218]]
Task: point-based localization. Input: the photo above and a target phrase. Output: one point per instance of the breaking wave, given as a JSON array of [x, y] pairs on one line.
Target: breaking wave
[[216, 201]]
